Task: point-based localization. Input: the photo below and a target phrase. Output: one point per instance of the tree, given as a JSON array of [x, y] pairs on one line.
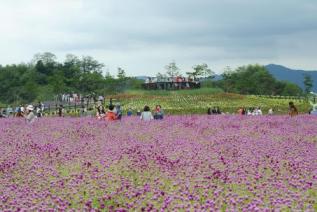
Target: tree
[[172, 69], [46, 58], [160, 76], [308, 82], [89, 64], [91, 82], [121, 74], [108, 75], [45, 64], [203, 70], [252, 79], [57, 81], [291, 89], [72, 60]]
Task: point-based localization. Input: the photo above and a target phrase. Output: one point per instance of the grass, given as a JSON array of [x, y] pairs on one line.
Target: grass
[[197, 101]]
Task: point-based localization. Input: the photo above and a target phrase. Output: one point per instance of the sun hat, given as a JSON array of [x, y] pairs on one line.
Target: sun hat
[[30, 107]]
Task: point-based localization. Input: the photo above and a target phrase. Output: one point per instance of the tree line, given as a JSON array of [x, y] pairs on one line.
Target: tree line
[[256, 79], [251, 79], [44, 78]]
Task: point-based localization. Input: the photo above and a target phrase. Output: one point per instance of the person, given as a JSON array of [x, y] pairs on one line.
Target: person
[[20, 112], [100, 98], [2, 114], [83, 110], [61, 111], [292, 110], [101, 113], [42, 107], [138, 113], [118, 111], [314, 110], [111, 115], [257, 111], [9, 111], [249, 111], [29, 115], [146, 115], [38, 111], [22, 109], [241, 111], [270, 112], [158, 112], [110, 102], [129, 112], [217, 110], [209, 111]]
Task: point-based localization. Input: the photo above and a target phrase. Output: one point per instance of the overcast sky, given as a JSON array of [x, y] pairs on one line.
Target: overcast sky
[[142, 36]]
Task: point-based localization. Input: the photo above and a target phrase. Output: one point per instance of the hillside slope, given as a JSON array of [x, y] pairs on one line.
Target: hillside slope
[[295, 76]]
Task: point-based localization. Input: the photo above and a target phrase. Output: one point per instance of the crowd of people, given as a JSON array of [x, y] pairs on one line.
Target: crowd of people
[[30, 113], [21, 110], [114, 111], [256, 111]]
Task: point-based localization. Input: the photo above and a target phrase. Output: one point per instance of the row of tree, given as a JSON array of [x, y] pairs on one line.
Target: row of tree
[[251, 79], [256, 79], [43, 78]]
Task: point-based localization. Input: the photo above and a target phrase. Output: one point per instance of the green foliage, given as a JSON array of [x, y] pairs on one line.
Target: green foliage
[[202, 70], [291, 89], [255, 79], [45, 78], [172, 69], [308, 82], [121, 74]]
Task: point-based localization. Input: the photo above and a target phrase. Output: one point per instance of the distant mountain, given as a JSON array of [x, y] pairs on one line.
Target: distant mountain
[[291, 75], [142, 77]]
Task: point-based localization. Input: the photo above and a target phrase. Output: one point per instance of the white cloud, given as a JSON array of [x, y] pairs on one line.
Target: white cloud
[[142, 36]]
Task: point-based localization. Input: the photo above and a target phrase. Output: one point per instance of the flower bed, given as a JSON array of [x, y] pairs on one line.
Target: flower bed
[[182, 162]]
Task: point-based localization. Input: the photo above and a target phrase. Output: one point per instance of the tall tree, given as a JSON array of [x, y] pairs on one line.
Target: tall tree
[[252, 79], [172, 69], [46, 58], [203, 70], [308, 82], [121, 73], [89, 64], [45, 64]]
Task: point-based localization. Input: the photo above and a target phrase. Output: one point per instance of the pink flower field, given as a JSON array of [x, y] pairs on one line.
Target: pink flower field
[[182, 163]]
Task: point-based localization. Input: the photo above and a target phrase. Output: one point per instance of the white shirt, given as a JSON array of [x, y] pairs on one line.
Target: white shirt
[[146, 116], [30, 118]]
